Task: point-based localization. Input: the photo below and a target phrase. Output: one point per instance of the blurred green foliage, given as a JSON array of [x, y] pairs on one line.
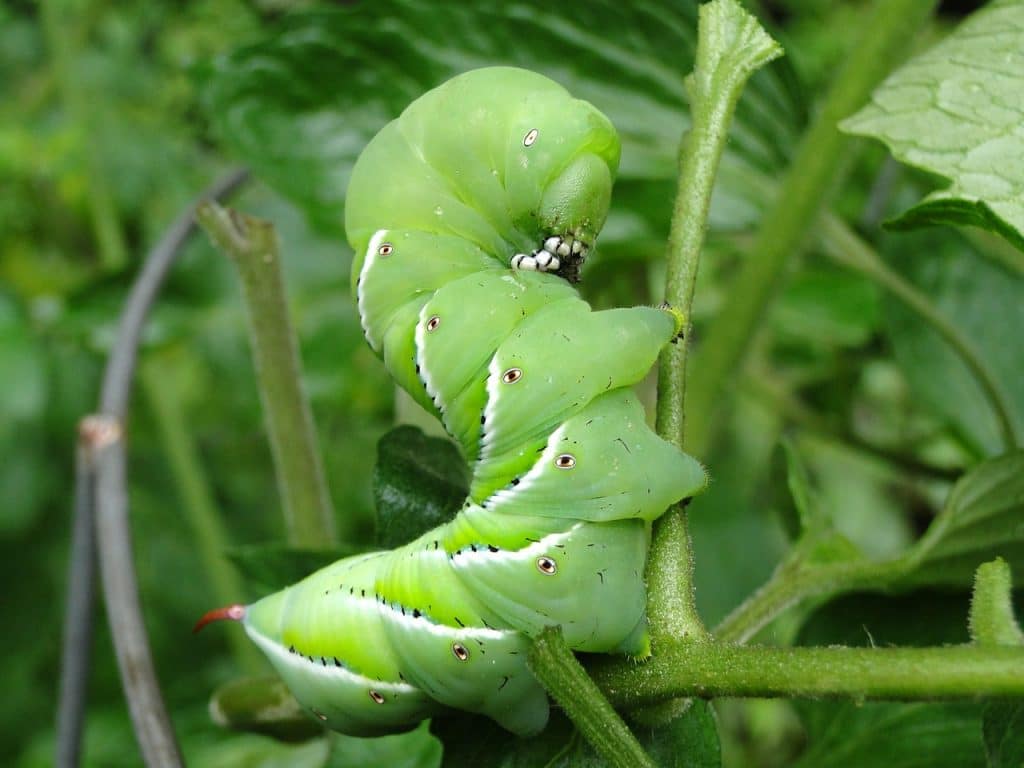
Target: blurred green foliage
[[113, 115]]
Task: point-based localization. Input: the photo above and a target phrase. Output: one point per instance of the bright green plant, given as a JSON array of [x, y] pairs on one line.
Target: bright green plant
[[846, 599]]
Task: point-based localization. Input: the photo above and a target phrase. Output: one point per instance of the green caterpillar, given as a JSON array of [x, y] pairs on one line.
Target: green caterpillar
[[470, 216]]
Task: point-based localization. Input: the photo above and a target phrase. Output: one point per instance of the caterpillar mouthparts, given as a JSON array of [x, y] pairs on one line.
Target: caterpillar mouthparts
[[561, 254]]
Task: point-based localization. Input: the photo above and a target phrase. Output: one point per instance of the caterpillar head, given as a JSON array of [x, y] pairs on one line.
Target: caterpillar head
[[573, 151]]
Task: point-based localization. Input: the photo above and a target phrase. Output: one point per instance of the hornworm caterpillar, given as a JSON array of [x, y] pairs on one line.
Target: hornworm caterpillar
[[470, 216]]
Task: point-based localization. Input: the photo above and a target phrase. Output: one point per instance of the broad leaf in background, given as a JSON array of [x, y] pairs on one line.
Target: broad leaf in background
[[419, 482], [983, 519], [300, 107], [262, 704], [689, 741], [416, 749], [1002, 726], [23, 473], [885, 735], [267, 568], [983, 298], [917, 735], [956, 110]]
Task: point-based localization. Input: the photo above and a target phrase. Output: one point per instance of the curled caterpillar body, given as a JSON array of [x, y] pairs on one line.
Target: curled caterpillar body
[[470, 216]]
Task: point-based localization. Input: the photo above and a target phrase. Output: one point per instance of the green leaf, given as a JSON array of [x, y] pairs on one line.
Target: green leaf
[[262, 704], [419, 483], [866, 619], [1002, 727], [978, 296], [690, 740], [270, 567], [956, 110], [983, 519], [799, 484], [991, 618], [416, 749], [299, 108], [252, 751], [24, 474], [827, 308], [851, 735], [884, 735]]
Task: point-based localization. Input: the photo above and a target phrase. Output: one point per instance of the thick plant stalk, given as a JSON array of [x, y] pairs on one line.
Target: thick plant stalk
[[731, 46], [814, 172], [892, 674], [554, 664], [252, 245]]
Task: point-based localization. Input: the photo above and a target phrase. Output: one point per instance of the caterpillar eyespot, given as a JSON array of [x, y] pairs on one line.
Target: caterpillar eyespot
[[512, 375], [547, 566], [502, 276], [565, 461]]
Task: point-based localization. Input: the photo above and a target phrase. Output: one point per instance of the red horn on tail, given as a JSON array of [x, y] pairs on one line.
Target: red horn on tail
[[234, 612]]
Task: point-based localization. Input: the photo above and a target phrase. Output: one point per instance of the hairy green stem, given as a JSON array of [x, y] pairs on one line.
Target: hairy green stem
[[252, 245], [555, 666], [199, 508], [731, 46], [814, 172], [842, 245], [897, 674]]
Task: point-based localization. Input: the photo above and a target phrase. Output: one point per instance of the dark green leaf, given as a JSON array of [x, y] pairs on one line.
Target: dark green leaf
[[799, 484], [981, 521], [419, 483], [824, 308], [690, 740], [270, 567], [1002, 725], [480, 742], [851, 735], [416, 749], [979, 296], [264, 705], [922, 618], [917, 735], [298, 108]]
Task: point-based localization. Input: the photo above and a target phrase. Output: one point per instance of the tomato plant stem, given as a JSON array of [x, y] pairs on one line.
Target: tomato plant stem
[[252, 245], [731, 46]]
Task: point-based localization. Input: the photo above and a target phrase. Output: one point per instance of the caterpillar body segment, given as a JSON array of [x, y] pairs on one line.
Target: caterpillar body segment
[[470, 216]]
